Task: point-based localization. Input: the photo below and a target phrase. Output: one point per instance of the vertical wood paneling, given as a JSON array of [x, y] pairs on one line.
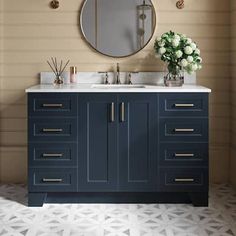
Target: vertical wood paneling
[[31, 32]]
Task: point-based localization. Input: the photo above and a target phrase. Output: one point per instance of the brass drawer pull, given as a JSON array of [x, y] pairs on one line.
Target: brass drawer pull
[[52, 130], [52, 154], [184, 105], [184, 130], [52, 180], [184, 180], [122, 112], [184, 155], [112, 112], [52, 105]]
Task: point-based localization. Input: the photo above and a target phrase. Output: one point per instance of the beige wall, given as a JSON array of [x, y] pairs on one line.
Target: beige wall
[[32, 33], [233, 94]]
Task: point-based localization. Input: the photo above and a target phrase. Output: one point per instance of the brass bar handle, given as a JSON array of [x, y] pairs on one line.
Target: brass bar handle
[[184, 180], [184, 130], [52, 154], [52, 180], [52, 130], [184, 105], [52, 105], [184, 155], [122, 112], [112, 114]]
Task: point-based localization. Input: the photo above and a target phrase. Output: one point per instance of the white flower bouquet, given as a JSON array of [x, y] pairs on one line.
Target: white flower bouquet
[[179, 52]]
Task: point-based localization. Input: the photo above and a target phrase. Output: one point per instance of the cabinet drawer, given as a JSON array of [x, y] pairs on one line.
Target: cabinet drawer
[[52, 154], [56, 129], [52, 180], [180, 154], [178, 104], [184, 129], [183, 179], [46, 104]]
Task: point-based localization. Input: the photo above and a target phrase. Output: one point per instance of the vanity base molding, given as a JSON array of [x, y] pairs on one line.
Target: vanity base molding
[[197, 199]]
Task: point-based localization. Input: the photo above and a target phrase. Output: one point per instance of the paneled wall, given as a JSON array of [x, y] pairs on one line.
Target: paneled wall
[[31, 33], [233, 95]]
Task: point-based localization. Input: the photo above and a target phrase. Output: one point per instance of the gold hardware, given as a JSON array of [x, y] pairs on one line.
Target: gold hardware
[[184, 130], [52, 154], [112, 112], [54, 4], [52, 130], [180, 4], [184, 155], [52, 180], [184, 180], [52, 105], [184, 105], [122, 112]]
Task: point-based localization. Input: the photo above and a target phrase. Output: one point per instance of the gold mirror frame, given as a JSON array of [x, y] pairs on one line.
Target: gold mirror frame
[[91, 46]]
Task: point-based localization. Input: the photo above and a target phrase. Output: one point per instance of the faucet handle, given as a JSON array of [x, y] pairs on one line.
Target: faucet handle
[[130, 76], [106, 76]]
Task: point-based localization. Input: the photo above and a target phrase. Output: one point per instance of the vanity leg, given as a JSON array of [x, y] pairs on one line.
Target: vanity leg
[[36, 199], [199, 199]]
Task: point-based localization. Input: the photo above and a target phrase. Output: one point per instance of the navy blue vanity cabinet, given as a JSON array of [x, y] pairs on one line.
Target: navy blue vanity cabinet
[[118, 148], [98, 142], [137, 144]]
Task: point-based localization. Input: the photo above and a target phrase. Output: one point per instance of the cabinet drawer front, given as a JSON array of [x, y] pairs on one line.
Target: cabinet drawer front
[[52, 180], [183, 179], [179, 154], [52, 154], [178, 104], [46, 104], [57, 129], [184, 129]]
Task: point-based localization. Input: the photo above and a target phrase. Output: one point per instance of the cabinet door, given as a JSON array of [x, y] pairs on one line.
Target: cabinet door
[[97, 161], [137, 146]]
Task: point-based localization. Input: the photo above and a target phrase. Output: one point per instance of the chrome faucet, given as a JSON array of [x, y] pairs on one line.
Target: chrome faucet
[[118, 74]]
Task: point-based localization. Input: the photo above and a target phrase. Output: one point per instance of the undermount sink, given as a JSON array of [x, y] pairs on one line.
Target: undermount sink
[[116, 86]]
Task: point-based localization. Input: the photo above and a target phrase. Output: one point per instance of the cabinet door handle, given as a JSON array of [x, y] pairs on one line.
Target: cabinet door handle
[[122, 112], [52, 130], [184, 155], [52, 154], [184, 180], [184, 130], [52, 180], [112, 112], [52, 105], [184, 105]]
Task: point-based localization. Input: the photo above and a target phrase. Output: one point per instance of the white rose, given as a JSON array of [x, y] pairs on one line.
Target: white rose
[[190, 59], [194, 67], [197, 51], [188, 50], [199, 67], [193, 46], [162, 50], [175, 43], [184, 62], [161, 43], [179, 54], [177, 37], [189, 40]]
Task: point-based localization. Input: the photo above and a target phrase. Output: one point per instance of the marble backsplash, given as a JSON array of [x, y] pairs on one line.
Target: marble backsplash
[[99, 78]]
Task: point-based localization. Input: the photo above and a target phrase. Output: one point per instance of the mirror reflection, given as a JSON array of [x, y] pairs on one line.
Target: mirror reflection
[[117, 28]]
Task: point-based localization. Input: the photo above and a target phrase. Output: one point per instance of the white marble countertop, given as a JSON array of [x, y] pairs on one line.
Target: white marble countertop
[[91, 88]]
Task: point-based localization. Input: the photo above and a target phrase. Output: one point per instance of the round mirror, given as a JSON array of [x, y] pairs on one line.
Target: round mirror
[[118, 28]]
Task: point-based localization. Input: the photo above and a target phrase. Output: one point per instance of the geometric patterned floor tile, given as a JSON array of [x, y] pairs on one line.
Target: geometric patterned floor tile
[[16, 219]]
